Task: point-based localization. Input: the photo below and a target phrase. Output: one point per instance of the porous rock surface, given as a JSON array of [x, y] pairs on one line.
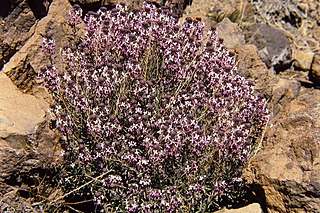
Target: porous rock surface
[[288, 166], [24, 64], [19, 113], [26, 144], [28, 147], [18, 19]]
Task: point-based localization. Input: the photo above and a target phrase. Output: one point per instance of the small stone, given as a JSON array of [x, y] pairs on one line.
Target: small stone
[[315, 69], [316, 33], [251, 208], [303, 59]]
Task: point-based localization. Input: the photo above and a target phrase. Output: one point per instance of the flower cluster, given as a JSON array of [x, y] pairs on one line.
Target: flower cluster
[[155, 116], [48, 46]]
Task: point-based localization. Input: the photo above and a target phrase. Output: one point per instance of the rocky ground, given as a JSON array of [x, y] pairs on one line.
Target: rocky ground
[[277, 43]]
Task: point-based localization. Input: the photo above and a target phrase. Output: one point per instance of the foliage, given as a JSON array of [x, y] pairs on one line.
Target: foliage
[[155, 116]]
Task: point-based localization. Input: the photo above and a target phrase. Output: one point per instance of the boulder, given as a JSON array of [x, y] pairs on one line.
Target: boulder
[[18, 19], [24, 64], [19, 113], [283, 91], [285, 174], [273, 46], [18, 27], [299, 20], [11, 202], [252, 68], [236, 10], [215, 11], [231, 34], [314, 73], [303, 59], [27, 145], [29, 149]]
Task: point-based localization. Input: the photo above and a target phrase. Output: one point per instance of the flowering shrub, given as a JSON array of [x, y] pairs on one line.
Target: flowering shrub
[[155, 116]]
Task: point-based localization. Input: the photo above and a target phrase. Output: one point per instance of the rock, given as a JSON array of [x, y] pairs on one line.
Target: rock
[[278, 90], [251, 208], [284, 91], [27, 145], [17, 25], [12, 202], [299, 19], [273, 46], [316, 33], [303, 59], [291, 12], [251, 67], [19, 113], [215, 11], [24, 65], [23, 74], [314, 74], [25, 138], [28, 148], [15, 31], [285, 174], [231, 34]]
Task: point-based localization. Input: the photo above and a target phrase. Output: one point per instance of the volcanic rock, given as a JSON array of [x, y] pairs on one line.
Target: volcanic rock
[[18, 19], [303, 59], [273, 46], [251, 208], [26, 63], [314, 74], [231, 34], [287, 169]]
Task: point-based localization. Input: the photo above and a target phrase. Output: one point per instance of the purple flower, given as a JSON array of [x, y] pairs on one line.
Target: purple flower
[[153, 111]]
